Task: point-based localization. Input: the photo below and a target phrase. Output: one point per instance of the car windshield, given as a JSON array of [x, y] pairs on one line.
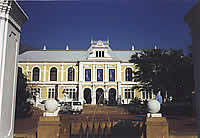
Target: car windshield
[[76, 103]]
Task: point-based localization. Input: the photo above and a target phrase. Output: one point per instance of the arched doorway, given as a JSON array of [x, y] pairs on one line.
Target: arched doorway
[[99, 96], [112, 96], [87, 96]]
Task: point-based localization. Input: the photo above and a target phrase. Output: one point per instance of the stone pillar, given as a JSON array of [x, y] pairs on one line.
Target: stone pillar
[[193, 20], [119, 92], [12, 18], [153, 124], [49, 127], [106, 96]]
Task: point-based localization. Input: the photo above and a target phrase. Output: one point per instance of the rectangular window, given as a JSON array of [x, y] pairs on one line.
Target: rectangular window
[[126, 95], [71, 94], [87, 74], [111, 74], [102, 53], [51, 93], [99, 74], [150, 95], [147, 95], [132, 94], [129, 93], [35, 91], [143, 95], [97, 54]]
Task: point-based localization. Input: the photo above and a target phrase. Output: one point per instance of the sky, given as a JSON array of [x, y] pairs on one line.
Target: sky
[[143, 23]]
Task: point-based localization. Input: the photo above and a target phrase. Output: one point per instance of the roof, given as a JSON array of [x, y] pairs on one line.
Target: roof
[[69, 56]]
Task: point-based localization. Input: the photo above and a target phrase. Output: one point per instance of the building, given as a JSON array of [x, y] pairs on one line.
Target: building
[[97, 75]]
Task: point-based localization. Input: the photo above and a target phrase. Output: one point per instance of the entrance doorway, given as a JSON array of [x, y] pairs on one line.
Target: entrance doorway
[[87, 96], [99, 96], [112, 96]]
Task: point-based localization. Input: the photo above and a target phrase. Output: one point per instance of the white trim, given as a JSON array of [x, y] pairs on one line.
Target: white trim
[[40, 72], [129, 64], [50, 63], [86, 88]]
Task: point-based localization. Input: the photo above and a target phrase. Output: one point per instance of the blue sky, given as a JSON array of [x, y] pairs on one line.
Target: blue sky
[[142, 22]]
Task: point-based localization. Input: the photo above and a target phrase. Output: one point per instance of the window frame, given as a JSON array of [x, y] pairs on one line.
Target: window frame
[[51, 93], [33, 74], [127, 74], [110, 74], [100, 74], [73, 74], [56, 74], [90, 75]]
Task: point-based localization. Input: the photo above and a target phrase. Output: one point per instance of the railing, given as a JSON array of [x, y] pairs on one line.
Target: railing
[[102, 128]]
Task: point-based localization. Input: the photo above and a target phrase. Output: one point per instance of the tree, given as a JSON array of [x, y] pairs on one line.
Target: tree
[[163, 70], [21, 93]]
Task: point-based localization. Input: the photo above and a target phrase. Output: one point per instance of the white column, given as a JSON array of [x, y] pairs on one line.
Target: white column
[[119, 98], [106, 92], [106, 73], [118, 71], [45, 72], [81, 72], [93, 95], [93, 73], [62, 72], [80, 93], [27, 70]]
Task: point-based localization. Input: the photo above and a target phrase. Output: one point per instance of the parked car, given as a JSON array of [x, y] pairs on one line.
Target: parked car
[[71, 107]]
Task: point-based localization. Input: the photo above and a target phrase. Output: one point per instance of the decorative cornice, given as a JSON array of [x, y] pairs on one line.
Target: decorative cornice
[[10, 10], [5, 7]]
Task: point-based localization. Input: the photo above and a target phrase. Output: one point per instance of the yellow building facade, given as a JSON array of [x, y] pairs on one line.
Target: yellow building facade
[[98, 75]]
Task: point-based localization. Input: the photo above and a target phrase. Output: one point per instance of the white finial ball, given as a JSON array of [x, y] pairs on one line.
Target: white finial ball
[[153, 106], [51, 105]]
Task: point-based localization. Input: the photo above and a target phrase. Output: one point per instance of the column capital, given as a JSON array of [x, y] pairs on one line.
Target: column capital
[[10, 10]]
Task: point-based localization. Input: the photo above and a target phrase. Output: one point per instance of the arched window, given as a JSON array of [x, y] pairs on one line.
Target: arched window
[[71, 74], [36, 74], [128, 74], [53, 74]]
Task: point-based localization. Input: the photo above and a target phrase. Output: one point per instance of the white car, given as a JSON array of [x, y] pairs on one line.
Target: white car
[[72, 107]]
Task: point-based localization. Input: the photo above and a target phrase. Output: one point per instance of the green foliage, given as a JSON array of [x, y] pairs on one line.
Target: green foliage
[[21, 94], [163, 70]]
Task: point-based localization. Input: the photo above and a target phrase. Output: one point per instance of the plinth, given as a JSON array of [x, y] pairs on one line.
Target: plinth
[[49, 127], [157, 127]]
